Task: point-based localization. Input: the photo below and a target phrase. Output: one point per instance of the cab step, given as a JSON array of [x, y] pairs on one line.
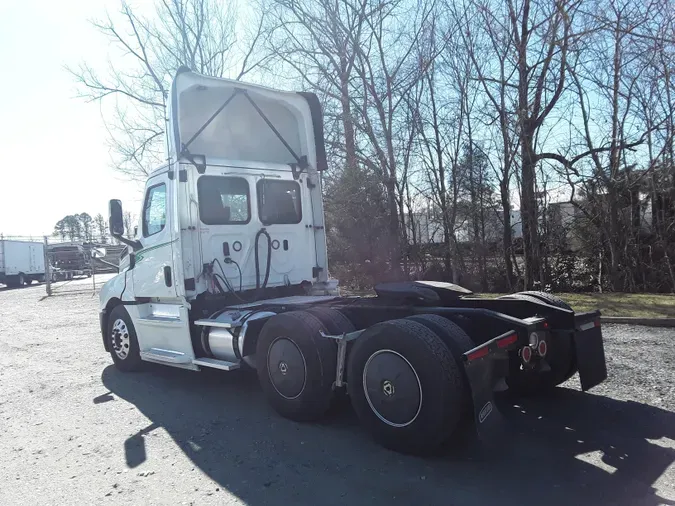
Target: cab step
[[216, 364], [160, 321], [165, 356]]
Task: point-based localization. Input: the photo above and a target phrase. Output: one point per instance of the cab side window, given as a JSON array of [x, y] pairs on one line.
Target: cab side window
[[154, 210]]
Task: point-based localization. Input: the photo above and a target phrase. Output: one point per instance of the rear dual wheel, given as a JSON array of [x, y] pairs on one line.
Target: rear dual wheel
[[404, 377], [406, 387]]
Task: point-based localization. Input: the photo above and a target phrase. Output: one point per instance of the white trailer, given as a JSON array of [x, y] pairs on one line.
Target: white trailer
[[21, 262]]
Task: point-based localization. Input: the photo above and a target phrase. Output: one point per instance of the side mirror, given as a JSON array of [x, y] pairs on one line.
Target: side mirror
[[116, 218], [116, 222]]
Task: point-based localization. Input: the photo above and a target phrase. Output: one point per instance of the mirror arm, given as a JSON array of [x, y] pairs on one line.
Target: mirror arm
[[134, 245]]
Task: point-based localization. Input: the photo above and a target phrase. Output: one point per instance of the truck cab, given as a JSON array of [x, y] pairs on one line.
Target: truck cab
[[235, 215]]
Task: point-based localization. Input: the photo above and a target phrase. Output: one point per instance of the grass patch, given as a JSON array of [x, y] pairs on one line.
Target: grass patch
[[642, 305]]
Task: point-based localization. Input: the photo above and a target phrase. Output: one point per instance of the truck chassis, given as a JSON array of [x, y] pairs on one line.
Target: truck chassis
[[417, 361]]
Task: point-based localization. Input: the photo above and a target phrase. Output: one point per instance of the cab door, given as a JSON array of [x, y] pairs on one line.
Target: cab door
[[153, 272]]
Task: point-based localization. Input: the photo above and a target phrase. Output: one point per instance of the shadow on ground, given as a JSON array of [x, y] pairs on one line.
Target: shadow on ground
[[573, 448]]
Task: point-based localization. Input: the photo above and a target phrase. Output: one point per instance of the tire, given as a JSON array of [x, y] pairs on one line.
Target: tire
[[560, 356], [521, 296], [334, 321], [22, 281], [122, 341], [457, 341], [549, 299], [429, 409], [450, 333], [27, 280], [13, 282], [296, 366]]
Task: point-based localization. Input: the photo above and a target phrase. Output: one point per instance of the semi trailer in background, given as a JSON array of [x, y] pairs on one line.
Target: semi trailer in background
[[21, 262]]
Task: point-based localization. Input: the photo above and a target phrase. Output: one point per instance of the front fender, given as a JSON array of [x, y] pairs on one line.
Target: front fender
[[119, 287]]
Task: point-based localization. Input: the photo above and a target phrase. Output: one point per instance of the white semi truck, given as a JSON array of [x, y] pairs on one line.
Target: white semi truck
[[229, 270], [21, 262]]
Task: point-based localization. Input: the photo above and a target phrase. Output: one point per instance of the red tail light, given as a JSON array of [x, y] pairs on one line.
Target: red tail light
[[507, 341], [542, 348], [480, 352], [526, 354]]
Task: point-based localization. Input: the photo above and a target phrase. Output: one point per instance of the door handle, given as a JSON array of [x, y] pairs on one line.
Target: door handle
[[167, 275]]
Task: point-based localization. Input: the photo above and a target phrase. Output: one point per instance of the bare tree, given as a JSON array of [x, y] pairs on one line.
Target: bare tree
[[148, 50], [129, 220], [101, 226], [488, 42], [388, 69]]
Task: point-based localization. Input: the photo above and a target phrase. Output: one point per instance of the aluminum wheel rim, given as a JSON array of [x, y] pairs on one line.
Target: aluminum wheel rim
[[389, 388], [120, 339]]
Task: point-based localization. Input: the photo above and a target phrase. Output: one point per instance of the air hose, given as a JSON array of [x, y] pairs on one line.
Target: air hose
[[257, 259]]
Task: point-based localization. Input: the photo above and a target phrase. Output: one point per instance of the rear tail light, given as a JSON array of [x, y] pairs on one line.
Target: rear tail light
[[534, 339], [542, 348], [507, 341], [526, 354], [479, 353]]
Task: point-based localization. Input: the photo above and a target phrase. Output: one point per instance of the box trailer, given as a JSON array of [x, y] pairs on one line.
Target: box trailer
[[229, 270], [21, 262]]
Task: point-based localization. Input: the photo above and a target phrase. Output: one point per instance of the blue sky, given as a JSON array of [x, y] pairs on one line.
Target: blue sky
[[55, 157]]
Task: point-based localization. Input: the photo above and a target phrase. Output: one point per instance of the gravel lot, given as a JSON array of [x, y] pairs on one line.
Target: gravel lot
[[73, 430]]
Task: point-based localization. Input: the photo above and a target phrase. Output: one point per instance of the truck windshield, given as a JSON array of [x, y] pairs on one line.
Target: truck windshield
[[223, 200], [279, 202]]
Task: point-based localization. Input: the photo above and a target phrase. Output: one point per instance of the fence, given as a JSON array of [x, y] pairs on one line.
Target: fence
[[69, 267], [73, 268]]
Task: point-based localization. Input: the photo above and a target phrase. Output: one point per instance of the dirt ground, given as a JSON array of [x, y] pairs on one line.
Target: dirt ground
[[74, 430]]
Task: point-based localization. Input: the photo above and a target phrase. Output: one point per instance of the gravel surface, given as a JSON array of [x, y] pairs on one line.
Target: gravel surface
[[74, 430]]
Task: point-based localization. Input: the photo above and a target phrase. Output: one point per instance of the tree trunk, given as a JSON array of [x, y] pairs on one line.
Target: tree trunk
[[394, 236], [528, 209], [507, 236]]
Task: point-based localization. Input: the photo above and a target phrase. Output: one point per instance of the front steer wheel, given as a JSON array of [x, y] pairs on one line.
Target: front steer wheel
[[405, 386], [122, 341], [296, 366]]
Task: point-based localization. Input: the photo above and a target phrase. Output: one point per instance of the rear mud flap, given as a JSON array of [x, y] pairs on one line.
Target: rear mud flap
[[484, 374], [590, 352]]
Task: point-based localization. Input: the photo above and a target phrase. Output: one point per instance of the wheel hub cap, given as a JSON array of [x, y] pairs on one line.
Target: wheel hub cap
[[392, 388], [287, 368], [388, 388], [120, 339]]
